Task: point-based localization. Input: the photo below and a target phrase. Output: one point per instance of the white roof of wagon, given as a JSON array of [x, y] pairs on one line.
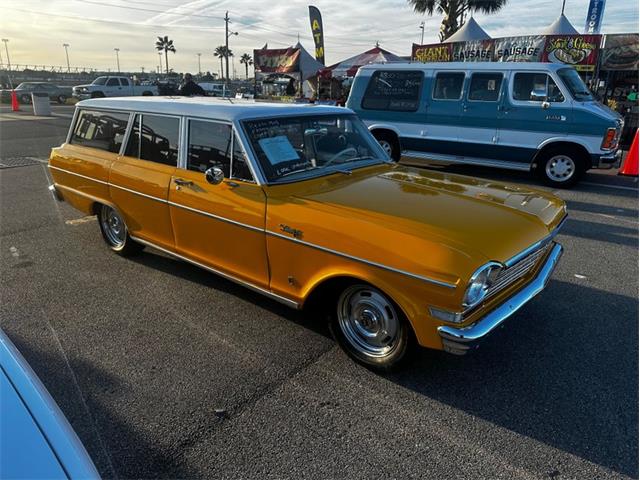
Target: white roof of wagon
[[208, 107]]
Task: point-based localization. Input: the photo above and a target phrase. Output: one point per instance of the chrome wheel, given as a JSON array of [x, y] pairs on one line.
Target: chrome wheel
[[387, 147], [560, 168], [113, 226], [368, 321]]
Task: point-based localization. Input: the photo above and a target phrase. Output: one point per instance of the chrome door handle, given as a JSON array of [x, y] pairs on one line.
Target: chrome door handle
[[180, 181]]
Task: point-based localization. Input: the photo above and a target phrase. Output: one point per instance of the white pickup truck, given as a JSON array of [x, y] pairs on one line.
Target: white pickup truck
[[112, 87]]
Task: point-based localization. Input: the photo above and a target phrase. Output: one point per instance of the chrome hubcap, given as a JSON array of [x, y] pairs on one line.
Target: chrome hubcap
[[368, 321], [386, 146], [113, 226], [560, 168]]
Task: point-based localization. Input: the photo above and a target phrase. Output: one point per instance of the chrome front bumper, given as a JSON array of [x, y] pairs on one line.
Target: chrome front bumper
[[610, 160], [460, 340]]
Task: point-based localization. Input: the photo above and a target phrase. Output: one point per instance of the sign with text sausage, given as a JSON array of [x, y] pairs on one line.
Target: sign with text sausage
[[519, 49], [473, 51]]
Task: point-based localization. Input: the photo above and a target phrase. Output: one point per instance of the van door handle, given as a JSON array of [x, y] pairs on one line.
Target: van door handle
[[182, 182]]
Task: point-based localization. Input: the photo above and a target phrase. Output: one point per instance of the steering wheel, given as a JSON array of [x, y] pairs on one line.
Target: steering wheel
[[339, 154]]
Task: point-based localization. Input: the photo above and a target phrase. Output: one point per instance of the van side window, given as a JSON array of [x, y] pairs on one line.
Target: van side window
[[485, 87], [448, 86], [241, 169], [101, 130], [113, 82], [209, 146], [124, 82], [156, 141], [524, 84], [394, 90]]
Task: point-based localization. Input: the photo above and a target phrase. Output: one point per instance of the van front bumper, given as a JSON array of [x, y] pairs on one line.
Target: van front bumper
[[460, 340], [606, 161]]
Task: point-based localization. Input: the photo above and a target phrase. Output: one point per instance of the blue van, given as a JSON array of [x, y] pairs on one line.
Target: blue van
[[536, 117]]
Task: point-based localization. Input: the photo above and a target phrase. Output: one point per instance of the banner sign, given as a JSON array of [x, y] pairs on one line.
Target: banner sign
[[473, 51], [594, 16], [519, 49], [620, 52], [318, 34], [439, 52], [283, 60], [580, 51]]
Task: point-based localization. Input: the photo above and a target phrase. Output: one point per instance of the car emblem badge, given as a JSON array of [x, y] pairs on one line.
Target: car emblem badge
[[291, 231]]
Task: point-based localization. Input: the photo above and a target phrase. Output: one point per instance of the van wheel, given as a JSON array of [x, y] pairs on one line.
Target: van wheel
[[115, 233], [389, 143], [97, 95], [560, 167], [370, 327]]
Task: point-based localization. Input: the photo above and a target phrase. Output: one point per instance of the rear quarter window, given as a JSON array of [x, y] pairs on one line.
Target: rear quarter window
[[393, 90], [101, 130]]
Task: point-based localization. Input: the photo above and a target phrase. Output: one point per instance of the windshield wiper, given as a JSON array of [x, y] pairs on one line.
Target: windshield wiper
[[298, 171]]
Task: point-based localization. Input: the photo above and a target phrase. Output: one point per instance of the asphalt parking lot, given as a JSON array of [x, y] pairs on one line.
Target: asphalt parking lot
[[165, 370]]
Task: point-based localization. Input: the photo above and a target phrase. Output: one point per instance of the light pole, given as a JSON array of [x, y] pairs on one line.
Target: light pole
[[66, 51], [159, 62], [422, 35], [6, 49], [199, 67], [226, 42], [117, 50]]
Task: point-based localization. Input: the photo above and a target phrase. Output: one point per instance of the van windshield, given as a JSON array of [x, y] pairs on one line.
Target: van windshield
[[574, 83], [296, 148], [99, 81]]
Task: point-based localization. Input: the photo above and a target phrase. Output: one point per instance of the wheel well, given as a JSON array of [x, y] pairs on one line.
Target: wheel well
[[385, 132], [560, 146], [147, 93]]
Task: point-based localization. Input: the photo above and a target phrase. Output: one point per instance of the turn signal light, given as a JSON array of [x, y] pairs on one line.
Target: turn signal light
[[610, 139]]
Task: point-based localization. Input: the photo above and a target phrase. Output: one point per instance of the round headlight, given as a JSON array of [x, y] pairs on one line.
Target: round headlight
[[480, 283]]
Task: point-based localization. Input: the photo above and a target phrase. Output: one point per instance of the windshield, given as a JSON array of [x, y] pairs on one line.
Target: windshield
[[293, 148], [99, 81], [574, 83]]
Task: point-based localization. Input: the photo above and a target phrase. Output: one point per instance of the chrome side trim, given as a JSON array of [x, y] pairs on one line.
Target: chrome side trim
[[251, 286], [151, 197], [539, 244], [222, 219], [361, 260], [459, 340], [483, 162], [78, 174]]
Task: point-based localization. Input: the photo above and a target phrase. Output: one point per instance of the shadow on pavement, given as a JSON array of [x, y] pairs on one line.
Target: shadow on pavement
[[603, 232]]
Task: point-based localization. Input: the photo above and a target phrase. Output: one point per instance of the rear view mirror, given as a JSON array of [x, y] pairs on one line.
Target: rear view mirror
[[538, 95], [214, 175]]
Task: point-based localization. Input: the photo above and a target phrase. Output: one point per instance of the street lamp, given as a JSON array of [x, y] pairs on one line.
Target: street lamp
[[226, 42], [159, 62], [199, 68], [422, 36], [117, 58], [66, 50], [6, 49]]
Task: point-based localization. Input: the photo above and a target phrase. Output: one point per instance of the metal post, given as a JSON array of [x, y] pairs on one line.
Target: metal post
[[226, 43], [66, 51], [117, 58], [199, 67], [422, 35], [6, 49]]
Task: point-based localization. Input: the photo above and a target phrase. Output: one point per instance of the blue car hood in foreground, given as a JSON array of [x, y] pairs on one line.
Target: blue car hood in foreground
[[36, 441]]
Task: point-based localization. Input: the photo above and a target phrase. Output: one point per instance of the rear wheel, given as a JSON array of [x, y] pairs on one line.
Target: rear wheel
[[389, 143], [114, 231], [560, 168], [370, 327]]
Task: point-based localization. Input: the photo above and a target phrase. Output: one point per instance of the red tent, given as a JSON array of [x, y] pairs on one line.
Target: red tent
[[349, 67]]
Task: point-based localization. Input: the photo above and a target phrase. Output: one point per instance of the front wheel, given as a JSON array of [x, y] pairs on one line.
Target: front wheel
[[560, 168], [115, 234], [370, 327]]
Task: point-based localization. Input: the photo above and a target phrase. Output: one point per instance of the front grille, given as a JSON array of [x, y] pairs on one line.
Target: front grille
[[509, 275]]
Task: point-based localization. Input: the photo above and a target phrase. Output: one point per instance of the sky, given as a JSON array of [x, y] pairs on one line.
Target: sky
[[37, 29]]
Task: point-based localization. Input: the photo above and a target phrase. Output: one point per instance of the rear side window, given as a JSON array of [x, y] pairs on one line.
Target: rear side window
[[393, 90], [154, 138], [124, 82], [524, 84], [101, 130], [113, 82], [485, 87], [209, 146], [448, 86]]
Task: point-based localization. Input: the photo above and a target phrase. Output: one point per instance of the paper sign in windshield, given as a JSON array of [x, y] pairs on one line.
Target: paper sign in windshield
[[278, 149]]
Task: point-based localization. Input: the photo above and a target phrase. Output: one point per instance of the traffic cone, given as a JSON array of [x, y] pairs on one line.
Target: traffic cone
[[630, 164], [14, 101]]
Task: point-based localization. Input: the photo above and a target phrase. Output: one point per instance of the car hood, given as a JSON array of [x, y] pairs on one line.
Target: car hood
[[422, 220]]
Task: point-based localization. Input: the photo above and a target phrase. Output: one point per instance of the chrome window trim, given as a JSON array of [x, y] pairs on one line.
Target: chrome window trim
[[72, 127], [251, 286], [254, 165], [127, 134], [434, 78], [534, 103], [502, 82]]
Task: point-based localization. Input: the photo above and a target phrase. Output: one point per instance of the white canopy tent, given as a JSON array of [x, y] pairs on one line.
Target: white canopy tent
[[469, 32], [561, 26]]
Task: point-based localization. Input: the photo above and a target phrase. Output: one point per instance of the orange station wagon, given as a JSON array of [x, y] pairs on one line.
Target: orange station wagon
[[300, 202]]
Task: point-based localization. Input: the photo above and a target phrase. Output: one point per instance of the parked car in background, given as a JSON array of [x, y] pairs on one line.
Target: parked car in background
[[25, 89], [113, 86], [36, 439], [536, 117], [215, 89], [301, 204]]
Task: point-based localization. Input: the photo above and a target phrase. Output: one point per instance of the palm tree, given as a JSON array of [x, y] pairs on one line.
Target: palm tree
[[454, 11], [223, 52], [247, 60], [163, 43]]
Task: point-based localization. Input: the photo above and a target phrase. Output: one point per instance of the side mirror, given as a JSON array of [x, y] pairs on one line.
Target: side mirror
[[538, 95], [214, 175]]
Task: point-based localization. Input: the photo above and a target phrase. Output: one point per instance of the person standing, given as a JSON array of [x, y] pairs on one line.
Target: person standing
[[189, 87]]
